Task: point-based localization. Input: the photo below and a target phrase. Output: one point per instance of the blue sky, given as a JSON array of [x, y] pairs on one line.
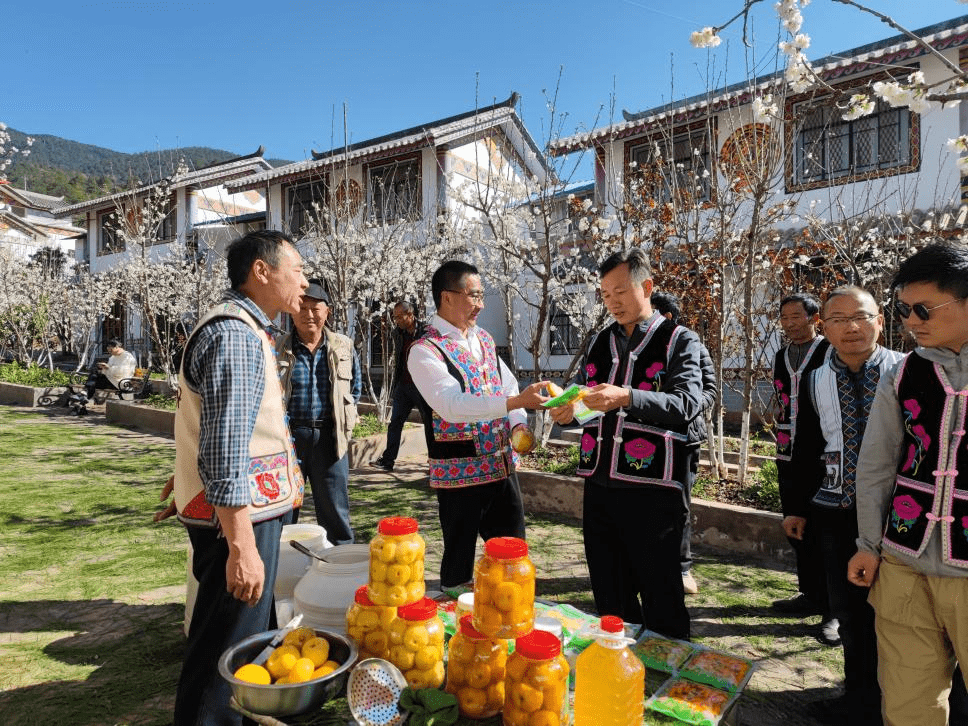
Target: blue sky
[[149, 74]]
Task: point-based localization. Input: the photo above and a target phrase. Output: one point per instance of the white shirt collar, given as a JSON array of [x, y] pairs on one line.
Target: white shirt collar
[[451, 331]]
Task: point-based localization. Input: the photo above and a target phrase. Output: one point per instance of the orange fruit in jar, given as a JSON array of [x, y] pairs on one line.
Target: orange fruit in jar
[[487, 619], [479, 675], [514, 717], [402, 657], [507, 596], [252, 673], [472, 702], [398, 574], [525, 697], [408, 551], [377, 590], [396, 630], [416, 637], [544, 718], [461, 649], [376, 641], [367, 619], [541, 674], [426, 657], [456, 674], [378, 571], [436, 631], [396, 595], [516, 668], [553, 694], [416, 590], [495, 695]]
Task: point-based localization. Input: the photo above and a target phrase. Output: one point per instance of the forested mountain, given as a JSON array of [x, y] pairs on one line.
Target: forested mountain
[[77, 171]]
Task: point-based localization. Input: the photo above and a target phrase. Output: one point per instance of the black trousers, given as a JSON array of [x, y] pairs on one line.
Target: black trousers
[[632, 541], [491, 510], [811, 580], [837, 534]]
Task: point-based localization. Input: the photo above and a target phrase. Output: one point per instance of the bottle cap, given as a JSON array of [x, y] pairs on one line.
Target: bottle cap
[[506, 548], [362, 597], [612, 624], [423, 609], [538, 645], [467, 628], [397, 525], [549, 624]]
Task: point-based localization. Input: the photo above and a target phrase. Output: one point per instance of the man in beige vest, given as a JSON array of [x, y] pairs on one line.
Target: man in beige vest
[[322, 383], [236, 474]]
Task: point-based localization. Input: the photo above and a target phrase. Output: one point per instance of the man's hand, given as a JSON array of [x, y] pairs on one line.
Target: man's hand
[[862, 568], [244, 570], [794, 526], [563, 414], [531, 397], [606, 397], [166, 491]]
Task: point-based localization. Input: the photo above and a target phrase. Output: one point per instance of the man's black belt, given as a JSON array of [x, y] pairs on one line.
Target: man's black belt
[[311, 423]]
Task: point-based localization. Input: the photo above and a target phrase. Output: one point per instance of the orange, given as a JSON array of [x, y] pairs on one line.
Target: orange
[[324, 670], [252, 673], [282, 660], [317, 650], [302, 670], [471, 701], [544, 718]]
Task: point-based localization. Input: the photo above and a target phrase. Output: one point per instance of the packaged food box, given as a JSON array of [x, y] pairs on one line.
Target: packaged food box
[[718, 669]]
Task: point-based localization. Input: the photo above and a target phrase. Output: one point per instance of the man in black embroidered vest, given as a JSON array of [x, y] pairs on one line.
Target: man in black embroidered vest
[[470, 405], [799, 316], [912, 495], [835, 402], [643, 372]]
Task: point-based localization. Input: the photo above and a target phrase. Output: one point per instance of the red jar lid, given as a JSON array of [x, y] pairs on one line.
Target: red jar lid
[[397, 525], [538, 645], [467, 627], [506, 548], [423, 609], [363, 597], [612, 624]]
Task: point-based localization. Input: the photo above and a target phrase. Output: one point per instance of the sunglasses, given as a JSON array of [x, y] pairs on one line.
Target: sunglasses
[[904, 310]]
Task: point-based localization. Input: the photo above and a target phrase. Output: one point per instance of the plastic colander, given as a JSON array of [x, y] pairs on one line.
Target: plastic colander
[[373, 693]]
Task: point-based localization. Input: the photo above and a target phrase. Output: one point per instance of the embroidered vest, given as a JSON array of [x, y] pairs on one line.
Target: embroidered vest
[[615, 446], [843, 419], [928, 491], [786, 385], [275, 480], [478, 452]]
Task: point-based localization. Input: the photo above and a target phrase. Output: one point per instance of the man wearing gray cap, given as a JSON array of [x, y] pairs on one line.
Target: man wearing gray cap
[[322, 384]]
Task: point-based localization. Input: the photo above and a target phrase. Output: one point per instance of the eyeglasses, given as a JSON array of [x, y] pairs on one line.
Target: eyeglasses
[[904, 310], [860, 319], [476, 297]]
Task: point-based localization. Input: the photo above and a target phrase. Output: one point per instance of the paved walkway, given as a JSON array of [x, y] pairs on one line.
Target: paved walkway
[[731, 612]]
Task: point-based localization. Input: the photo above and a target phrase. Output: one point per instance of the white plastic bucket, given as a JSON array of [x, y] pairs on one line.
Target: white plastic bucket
[[327, 590], [293, 564]]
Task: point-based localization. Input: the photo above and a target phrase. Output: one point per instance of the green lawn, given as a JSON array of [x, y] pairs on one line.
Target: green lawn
[[91, 590]]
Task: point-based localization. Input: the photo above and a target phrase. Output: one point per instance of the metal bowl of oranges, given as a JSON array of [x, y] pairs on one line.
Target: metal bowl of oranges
[[309, 668]]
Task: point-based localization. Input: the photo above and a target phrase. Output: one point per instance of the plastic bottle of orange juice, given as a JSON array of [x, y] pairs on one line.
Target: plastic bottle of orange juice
[[609, 680]]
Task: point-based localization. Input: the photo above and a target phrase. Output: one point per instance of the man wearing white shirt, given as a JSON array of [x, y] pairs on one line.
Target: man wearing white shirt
[[120, 365], [471, 405]]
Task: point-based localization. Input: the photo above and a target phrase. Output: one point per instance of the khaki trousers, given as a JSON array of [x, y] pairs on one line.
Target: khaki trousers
[[922, 627]]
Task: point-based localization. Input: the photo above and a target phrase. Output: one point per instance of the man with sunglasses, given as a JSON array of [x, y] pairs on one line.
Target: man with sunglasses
[[912, 494], [470, 405], [835, 401]]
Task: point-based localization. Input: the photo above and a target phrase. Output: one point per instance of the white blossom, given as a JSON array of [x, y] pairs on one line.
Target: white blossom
[[705, 38], [764, 108], [859, 105]]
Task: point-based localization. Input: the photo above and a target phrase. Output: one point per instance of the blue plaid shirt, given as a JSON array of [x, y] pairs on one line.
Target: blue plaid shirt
[[310, 397], [225, 366]]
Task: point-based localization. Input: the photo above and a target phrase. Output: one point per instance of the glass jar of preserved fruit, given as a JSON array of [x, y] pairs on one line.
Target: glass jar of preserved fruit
[[417, 644], [396, 563], [475, 670], [369, 625], [504, 589], [536, 682]]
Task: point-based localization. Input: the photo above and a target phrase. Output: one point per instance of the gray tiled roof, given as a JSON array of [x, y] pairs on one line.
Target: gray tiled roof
[[211, 175], [946, 34]]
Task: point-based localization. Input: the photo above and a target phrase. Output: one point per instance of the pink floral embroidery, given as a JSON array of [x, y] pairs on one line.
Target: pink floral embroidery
[[639, 453], [439, 471], [782, 438], [470, 470], [591, 383], [485, 467], [918, 430], [485, 428], [778, 384], [590, 369], [488, 446], [906, 507], [785, 399], [964, 522], [909, 462], [645, 386], [587, 447], [653, 370], [913, 406]]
